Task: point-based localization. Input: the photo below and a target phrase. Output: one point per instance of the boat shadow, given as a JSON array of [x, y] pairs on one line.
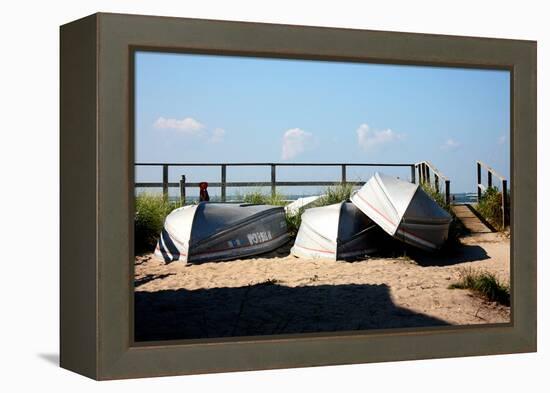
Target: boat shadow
[[451, 255], [456, 255], [392, 248], [269, 309]]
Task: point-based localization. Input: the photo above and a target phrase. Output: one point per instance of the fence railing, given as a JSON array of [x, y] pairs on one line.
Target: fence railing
[[427, 171], [223, 184], [503, 185]]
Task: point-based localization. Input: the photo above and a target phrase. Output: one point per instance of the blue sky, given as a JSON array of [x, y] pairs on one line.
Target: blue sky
[[203, 108]]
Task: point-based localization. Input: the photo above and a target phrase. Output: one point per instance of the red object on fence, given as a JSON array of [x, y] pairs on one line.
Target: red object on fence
[[203, 196]]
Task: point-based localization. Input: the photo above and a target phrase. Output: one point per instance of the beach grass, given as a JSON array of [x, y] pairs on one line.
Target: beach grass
[[150, 212], [334, 194], [293, 222], [485, 284], [436, 195], [490, 207], [257, 197]]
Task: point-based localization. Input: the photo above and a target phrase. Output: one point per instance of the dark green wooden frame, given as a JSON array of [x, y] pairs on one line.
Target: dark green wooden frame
[[97, 196]]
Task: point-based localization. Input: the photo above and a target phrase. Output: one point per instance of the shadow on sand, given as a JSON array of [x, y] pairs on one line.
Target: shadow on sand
[[458, 254], [150, 277], [269, 308], [393, 248]]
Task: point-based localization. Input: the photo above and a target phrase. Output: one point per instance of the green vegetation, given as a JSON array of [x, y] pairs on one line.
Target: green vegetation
[[293, 222], [257, 197], [151, 210], [335, 194], [436, 195], [490, 207], [484, 284]]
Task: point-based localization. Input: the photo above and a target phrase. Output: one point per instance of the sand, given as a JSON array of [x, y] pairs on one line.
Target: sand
[[280, 294]]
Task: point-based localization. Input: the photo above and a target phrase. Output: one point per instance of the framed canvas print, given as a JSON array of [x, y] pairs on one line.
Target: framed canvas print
[[241, 196]]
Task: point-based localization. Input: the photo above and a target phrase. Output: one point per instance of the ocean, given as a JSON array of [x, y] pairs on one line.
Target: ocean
[[462, 197]]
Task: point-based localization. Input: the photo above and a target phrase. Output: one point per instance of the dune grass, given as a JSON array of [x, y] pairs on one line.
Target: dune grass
[[436, 195], [293, 222], [150, 212], [490, 207], [334, 194], [484, 284], [257, 197]]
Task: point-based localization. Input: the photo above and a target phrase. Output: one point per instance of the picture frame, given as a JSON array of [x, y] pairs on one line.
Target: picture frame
[[97, 180]]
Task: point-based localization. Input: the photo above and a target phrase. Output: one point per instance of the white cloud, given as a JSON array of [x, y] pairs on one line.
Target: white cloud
[[295, 142], [188, 125], [502, 139], [367, 138], [451, 144], [217, 136]]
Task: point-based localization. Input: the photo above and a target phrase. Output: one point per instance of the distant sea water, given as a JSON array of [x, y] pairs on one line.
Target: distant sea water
[[462, 197]]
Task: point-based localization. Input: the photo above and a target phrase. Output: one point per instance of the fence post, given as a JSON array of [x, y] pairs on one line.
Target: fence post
[[182, 190], [448, 192], [424, 172], [436, 181], [224, 174], [413, 174], [428, 174], [489, 179], [273, 180], [165, 182], [419, 173], [478, 181], [343, 174], [505, 213]]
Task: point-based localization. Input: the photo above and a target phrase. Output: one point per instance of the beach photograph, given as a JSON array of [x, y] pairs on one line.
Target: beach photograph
[[289, 196]]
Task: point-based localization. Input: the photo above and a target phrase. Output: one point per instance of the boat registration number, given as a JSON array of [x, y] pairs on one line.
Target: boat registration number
[[259, 237]]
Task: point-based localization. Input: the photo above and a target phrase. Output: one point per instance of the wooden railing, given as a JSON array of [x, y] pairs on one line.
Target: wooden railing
[[273, 183], [427, 171], [505, 206]]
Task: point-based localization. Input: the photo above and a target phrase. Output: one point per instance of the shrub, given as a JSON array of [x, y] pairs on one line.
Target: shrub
[[150, 212], [484, 284], [490, 206]]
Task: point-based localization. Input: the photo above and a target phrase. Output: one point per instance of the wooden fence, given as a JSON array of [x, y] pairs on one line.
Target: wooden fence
[[273, 183], [428, 172], [505, 206]]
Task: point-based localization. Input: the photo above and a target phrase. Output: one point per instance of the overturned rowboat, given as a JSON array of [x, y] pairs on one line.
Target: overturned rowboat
[[339, 231], [404, 211], [218, 231]]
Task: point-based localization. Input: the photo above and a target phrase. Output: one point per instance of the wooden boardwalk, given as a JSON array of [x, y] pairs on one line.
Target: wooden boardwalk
[[470, 220]]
